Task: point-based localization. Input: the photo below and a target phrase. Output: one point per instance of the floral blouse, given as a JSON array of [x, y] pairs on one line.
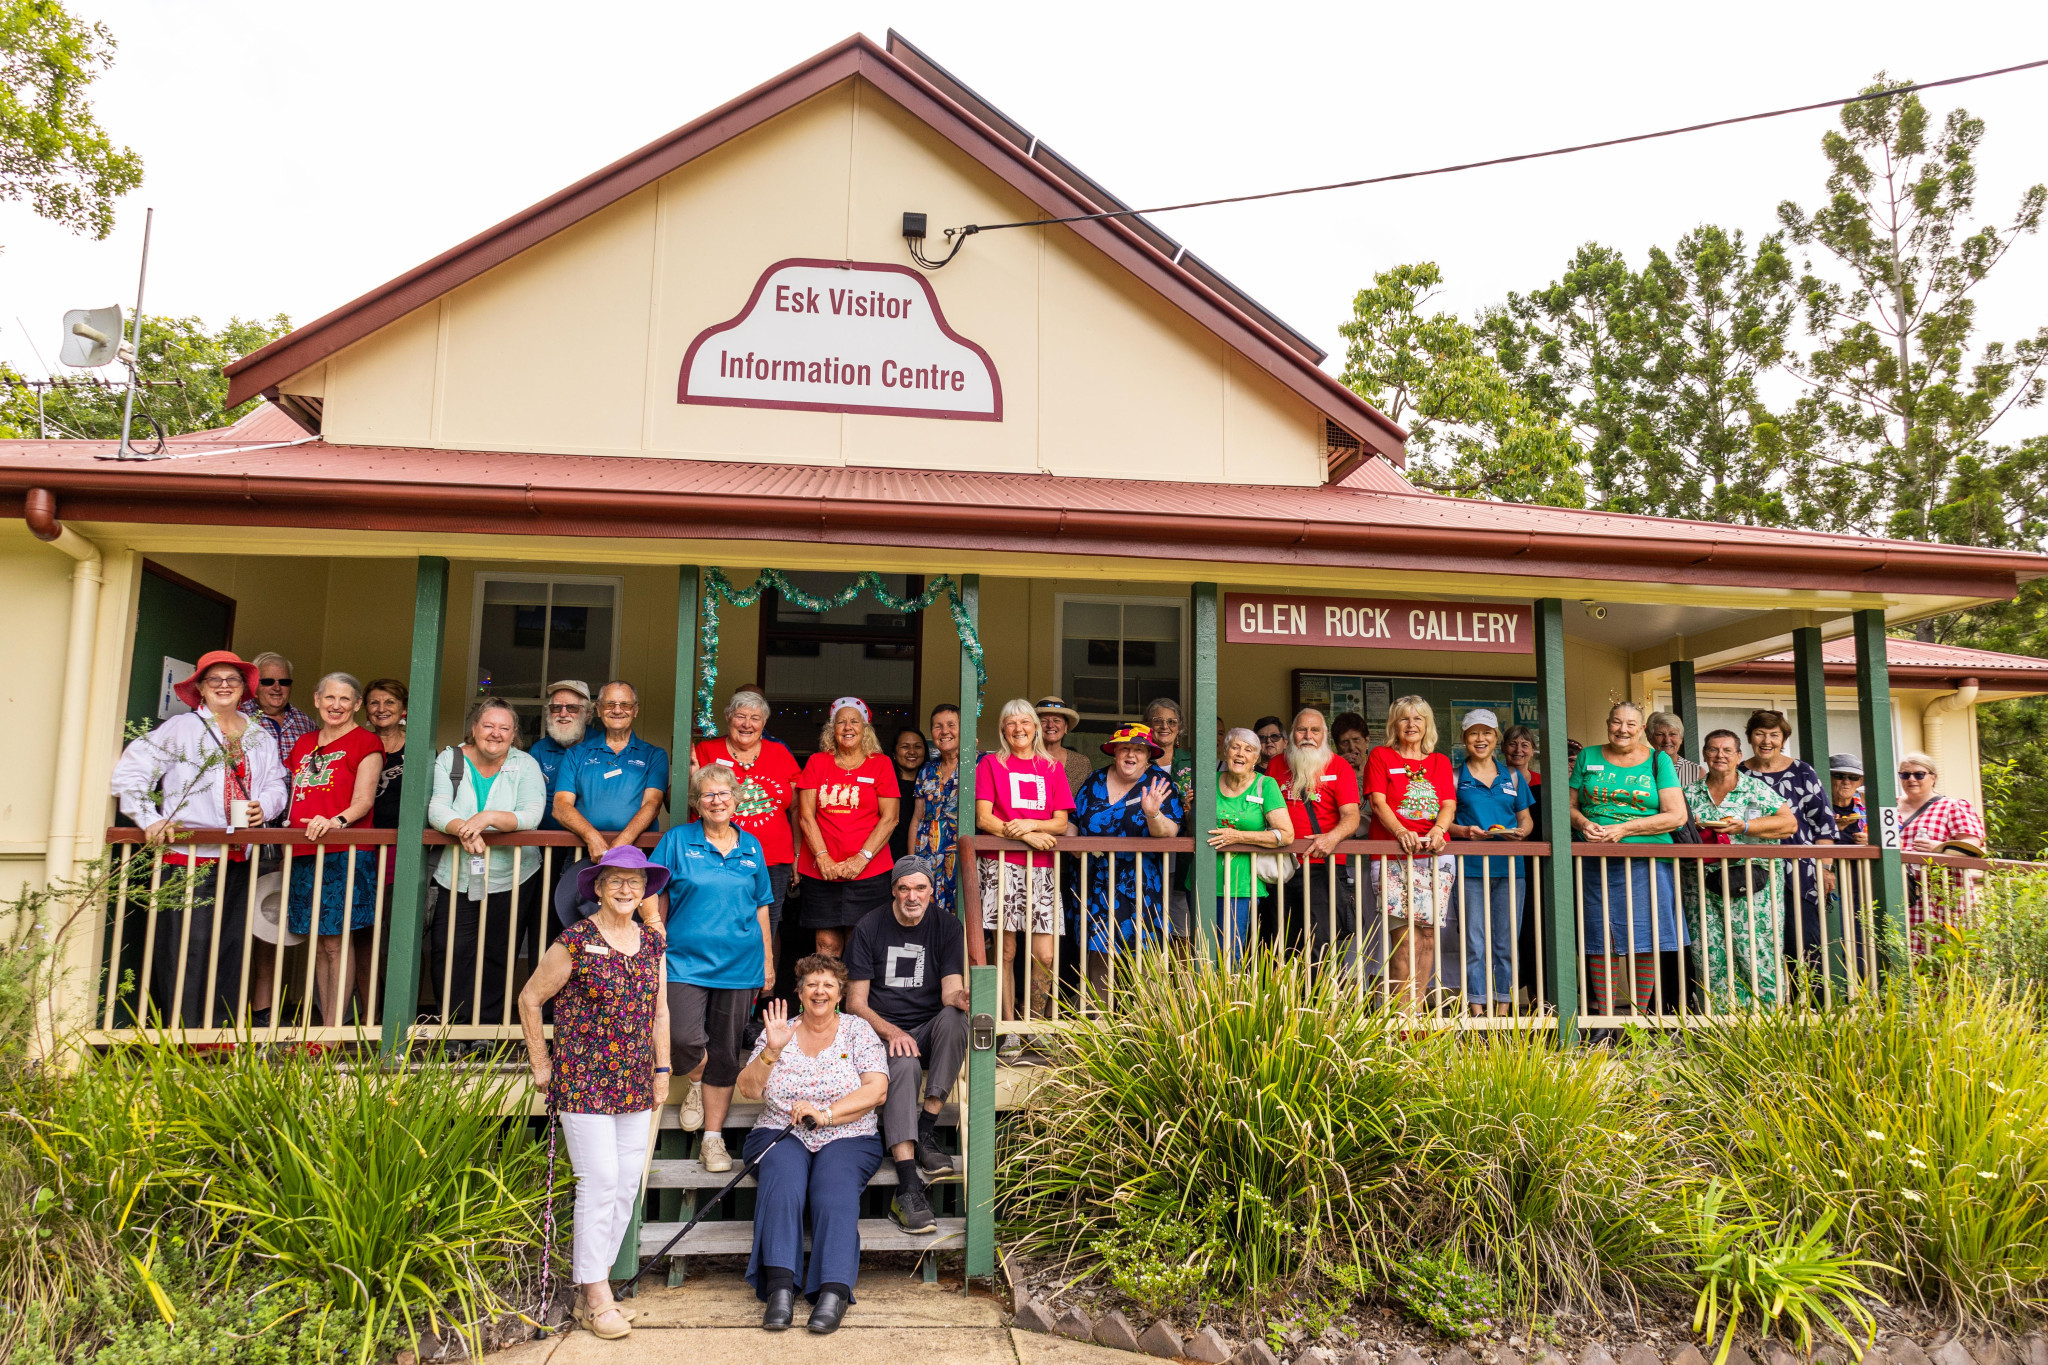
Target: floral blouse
[[604, 1023], [831, 1075], [937, 838], [1750, 799]]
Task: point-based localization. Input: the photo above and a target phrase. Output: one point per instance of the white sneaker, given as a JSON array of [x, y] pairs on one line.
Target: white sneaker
[[1010, 1046], [713, 1154], [692, 1112]]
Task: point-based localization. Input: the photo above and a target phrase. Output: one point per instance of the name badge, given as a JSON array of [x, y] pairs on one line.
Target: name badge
[[1596, 767], [1398, 772], [869, 780], [1332, 777], [1255, 798], [723, 762], [616, 772], [597, 950]]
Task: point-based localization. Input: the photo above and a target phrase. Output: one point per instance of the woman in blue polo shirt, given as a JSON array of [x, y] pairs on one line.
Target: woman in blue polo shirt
[[720, 951], [1494, 802]]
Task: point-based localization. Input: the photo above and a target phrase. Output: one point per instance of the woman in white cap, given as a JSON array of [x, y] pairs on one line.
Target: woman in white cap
[[847, 803], [1494, 802]]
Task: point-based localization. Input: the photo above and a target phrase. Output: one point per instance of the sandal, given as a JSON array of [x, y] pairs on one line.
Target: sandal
[[590, 1323]]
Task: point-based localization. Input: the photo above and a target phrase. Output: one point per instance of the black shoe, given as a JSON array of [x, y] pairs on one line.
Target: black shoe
[[830, 1309], [930, 1159], [781, 1310], [912, 1212]]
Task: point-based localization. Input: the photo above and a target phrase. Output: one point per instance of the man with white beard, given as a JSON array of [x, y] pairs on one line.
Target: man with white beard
[[566, 724], [1322, 801]]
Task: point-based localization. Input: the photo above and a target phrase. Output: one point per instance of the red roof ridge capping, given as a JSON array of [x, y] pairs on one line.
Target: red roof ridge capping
[[316, 484], [262, 370]]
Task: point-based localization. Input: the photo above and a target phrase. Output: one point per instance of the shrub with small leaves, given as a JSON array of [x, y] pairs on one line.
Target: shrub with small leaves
[[1160, 1261], [1446, 1293]]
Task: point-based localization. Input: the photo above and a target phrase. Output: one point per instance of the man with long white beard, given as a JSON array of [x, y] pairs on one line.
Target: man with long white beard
[[1322, 801], [565, 725]]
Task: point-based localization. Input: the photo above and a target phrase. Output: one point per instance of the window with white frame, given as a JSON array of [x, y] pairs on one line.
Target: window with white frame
[[1117, 654], [528, 630]]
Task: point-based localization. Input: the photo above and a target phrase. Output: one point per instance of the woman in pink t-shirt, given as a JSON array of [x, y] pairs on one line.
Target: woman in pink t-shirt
[[1022, 794]]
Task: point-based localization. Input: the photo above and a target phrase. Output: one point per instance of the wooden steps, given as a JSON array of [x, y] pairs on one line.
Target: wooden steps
[[735, 1237]]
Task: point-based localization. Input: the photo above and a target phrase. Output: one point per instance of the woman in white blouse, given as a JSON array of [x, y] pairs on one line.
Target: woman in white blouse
[[206, 769]]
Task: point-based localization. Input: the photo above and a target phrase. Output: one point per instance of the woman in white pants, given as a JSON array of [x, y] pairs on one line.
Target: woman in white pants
[[610, 1066]]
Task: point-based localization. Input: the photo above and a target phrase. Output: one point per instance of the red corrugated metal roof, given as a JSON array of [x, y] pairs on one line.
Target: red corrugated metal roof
[[212, 481], [1910, 661]]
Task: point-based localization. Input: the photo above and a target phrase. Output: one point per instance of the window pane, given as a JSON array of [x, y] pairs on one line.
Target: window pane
[[519, 637], [515, 592], [1152, 623], [1082, 619], [508, 649], [581, 646]]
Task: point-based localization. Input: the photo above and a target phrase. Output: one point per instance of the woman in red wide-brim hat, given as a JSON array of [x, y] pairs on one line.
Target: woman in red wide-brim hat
[[206, 768]]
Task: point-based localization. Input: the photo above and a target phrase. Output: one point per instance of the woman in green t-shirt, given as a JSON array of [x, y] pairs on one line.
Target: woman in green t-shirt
[[1253, 814], [1625, 792]]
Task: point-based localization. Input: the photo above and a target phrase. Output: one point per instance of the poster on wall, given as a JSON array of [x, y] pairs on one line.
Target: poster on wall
[[842, 336], [1450, 699], [168, 703]]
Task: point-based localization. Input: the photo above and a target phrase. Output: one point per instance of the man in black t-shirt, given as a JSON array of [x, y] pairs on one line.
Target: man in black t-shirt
[[905, 975]]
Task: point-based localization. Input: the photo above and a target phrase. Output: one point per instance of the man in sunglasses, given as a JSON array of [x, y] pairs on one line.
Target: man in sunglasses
[[564, 725], [272, 705]]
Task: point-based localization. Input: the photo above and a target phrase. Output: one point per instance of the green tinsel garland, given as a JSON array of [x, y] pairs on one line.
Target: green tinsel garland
[[717, 588]]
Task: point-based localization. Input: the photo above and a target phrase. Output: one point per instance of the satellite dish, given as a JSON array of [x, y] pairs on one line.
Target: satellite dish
[[91, 336]]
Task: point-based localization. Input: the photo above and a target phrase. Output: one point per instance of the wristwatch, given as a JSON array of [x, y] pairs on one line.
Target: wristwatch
[[340, 820]]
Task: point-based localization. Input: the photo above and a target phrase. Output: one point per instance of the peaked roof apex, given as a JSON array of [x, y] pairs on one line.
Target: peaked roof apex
[[1211, 301]]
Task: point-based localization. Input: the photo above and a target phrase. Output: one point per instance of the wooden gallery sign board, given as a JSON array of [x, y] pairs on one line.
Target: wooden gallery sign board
[[1379, 623]]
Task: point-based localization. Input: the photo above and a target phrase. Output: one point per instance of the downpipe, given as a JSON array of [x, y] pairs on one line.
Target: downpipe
[[1942, 707], [60, 854]]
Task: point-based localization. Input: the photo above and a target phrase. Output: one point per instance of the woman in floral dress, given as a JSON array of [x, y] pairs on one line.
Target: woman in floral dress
[[1132, 798], [610, 1064], [1740, 942], [935, 816], [1796, 782]]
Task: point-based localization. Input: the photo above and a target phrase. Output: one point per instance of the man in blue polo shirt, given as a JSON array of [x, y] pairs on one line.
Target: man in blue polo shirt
[[564, 725], [610, 787]]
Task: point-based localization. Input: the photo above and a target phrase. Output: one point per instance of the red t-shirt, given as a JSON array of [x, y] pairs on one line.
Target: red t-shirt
[[849, 807], [765, 792], [1338, 787], [1023, 789], [323, 777], [1417, 789]]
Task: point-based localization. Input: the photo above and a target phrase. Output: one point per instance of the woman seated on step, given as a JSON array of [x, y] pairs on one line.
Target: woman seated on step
[[610, 1063], [832, 1069]]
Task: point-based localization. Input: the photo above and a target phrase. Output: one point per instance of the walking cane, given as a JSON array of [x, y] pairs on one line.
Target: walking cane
[[745, 1170], [547, 1258]]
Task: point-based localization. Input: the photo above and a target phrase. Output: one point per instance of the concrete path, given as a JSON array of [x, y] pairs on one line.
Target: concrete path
[[896, 1321]]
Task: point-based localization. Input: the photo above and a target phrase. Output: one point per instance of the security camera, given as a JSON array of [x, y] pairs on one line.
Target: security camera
[[1594, 610]]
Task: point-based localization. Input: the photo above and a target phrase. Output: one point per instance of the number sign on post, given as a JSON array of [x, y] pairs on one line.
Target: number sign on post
[[1888, 827]]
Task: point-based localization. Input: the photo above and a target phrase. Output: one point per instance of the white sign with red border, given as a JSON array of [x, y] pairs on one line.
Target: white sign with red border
[[842, 336]]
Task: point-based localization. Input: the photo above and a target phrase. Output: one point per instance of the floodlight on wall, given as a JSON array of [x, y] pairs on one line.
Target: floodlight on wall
[[92, 336]]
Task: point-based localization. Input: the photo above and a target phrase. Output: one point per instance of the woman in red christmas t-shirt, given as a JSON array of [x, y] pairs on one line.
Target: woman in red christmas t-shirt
[[1414, 797], [334, 786], [847, 799], [764, 801]]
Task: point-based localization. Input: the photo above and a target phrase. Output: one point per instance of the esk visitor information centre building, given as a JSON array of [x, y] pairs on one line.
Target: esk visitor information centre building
[[524, 460]]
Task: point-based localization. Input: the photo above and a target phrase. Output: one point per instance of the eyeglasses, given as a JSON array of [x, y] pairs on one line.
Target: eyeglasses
[[1914, 776], [222, 680], [273, 682], [616, 706]]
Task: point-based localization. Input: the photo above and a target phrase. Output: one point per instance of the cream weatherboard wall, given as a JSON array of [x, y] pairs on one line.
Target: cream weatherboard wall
[[575, 345]]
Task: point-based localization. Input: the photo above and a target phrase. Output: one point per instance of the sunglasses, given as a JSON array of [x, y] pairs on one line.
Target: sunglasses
[[571, 709], [1914, 776], [273, 682]]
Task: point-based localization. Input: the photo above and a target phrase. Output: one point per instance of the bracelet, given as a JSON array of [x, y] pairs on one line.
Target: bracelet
[[662, 1071], [828, 1116], [771, 1057]]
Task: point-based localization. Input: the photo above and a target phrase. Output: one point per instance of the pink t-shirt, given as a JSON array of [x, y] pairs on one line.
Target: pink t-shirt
[[1023, 789]]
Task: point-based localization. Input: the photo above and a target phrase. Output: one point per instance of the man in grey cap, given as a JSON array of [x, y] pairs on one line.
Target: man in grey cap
[[905, 976], [564, 726], [1845, 783]]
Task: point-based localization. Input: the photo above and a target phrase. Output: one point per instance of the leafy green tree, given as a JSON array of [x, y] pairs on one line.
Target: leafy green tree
[[1472, 433], [53, 152], [1658, 372], [1901, 398], [182, 387]]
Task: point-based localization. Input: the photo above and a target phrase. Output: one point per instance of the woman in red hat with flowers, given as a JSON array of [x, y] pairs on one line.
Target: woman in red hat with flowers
[[209, 768]]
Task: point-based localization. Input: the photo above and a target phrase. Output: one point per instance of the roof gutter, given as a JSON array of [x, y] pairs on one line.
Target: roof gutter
[[60, 853]]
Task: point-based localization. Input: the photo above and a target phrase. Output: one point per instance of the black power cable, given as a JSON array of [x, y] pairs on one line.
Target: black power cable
[[958, 236]]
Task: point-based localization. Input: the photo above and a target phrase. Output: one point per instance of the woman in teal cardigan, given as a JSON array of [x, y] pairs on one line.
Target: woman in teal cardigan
[[483, 786]]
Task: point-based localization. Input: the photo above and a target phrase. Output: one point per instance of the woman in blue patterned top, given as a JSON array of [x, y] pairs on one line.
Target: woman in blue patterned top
[[1130, 799], [935, 816]]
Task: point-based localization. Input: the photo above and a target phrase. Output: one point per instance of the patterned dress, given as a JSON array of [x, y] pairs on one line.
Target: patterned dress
[[936, 839], [1741, 944], [1096, 816], [604, 1023], [1800, 787], [824, 1079]]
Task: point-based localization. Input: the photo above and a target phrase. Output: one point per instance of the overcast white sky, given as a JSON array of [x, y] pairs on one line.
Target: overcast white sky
[[298, 154]]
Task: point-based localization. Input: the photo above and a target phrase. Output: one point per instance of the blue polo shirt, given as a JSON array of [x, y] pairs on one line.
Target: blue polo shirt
[[714, 904], [548, 753], [609, 786], [1488, 804]]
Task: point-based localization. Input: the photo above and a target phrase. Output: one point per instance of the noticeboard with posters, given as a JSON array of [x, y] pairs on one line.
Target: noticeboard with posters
[[1513, 700]]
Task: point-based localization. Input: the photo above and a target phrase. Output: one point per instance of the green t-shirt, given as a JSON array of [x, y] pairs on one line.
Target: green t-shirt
[[483, 784], [1246, 810], [1610, 793]]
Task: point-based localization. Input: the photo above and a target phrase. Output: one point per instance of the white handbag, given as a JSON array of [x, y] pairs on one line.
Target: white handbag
[[1274, 869]]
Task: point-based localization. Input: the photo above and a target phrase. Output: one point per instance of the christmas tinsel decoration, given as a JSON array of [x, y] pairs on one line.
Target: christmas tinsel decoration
[[718, 588]]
